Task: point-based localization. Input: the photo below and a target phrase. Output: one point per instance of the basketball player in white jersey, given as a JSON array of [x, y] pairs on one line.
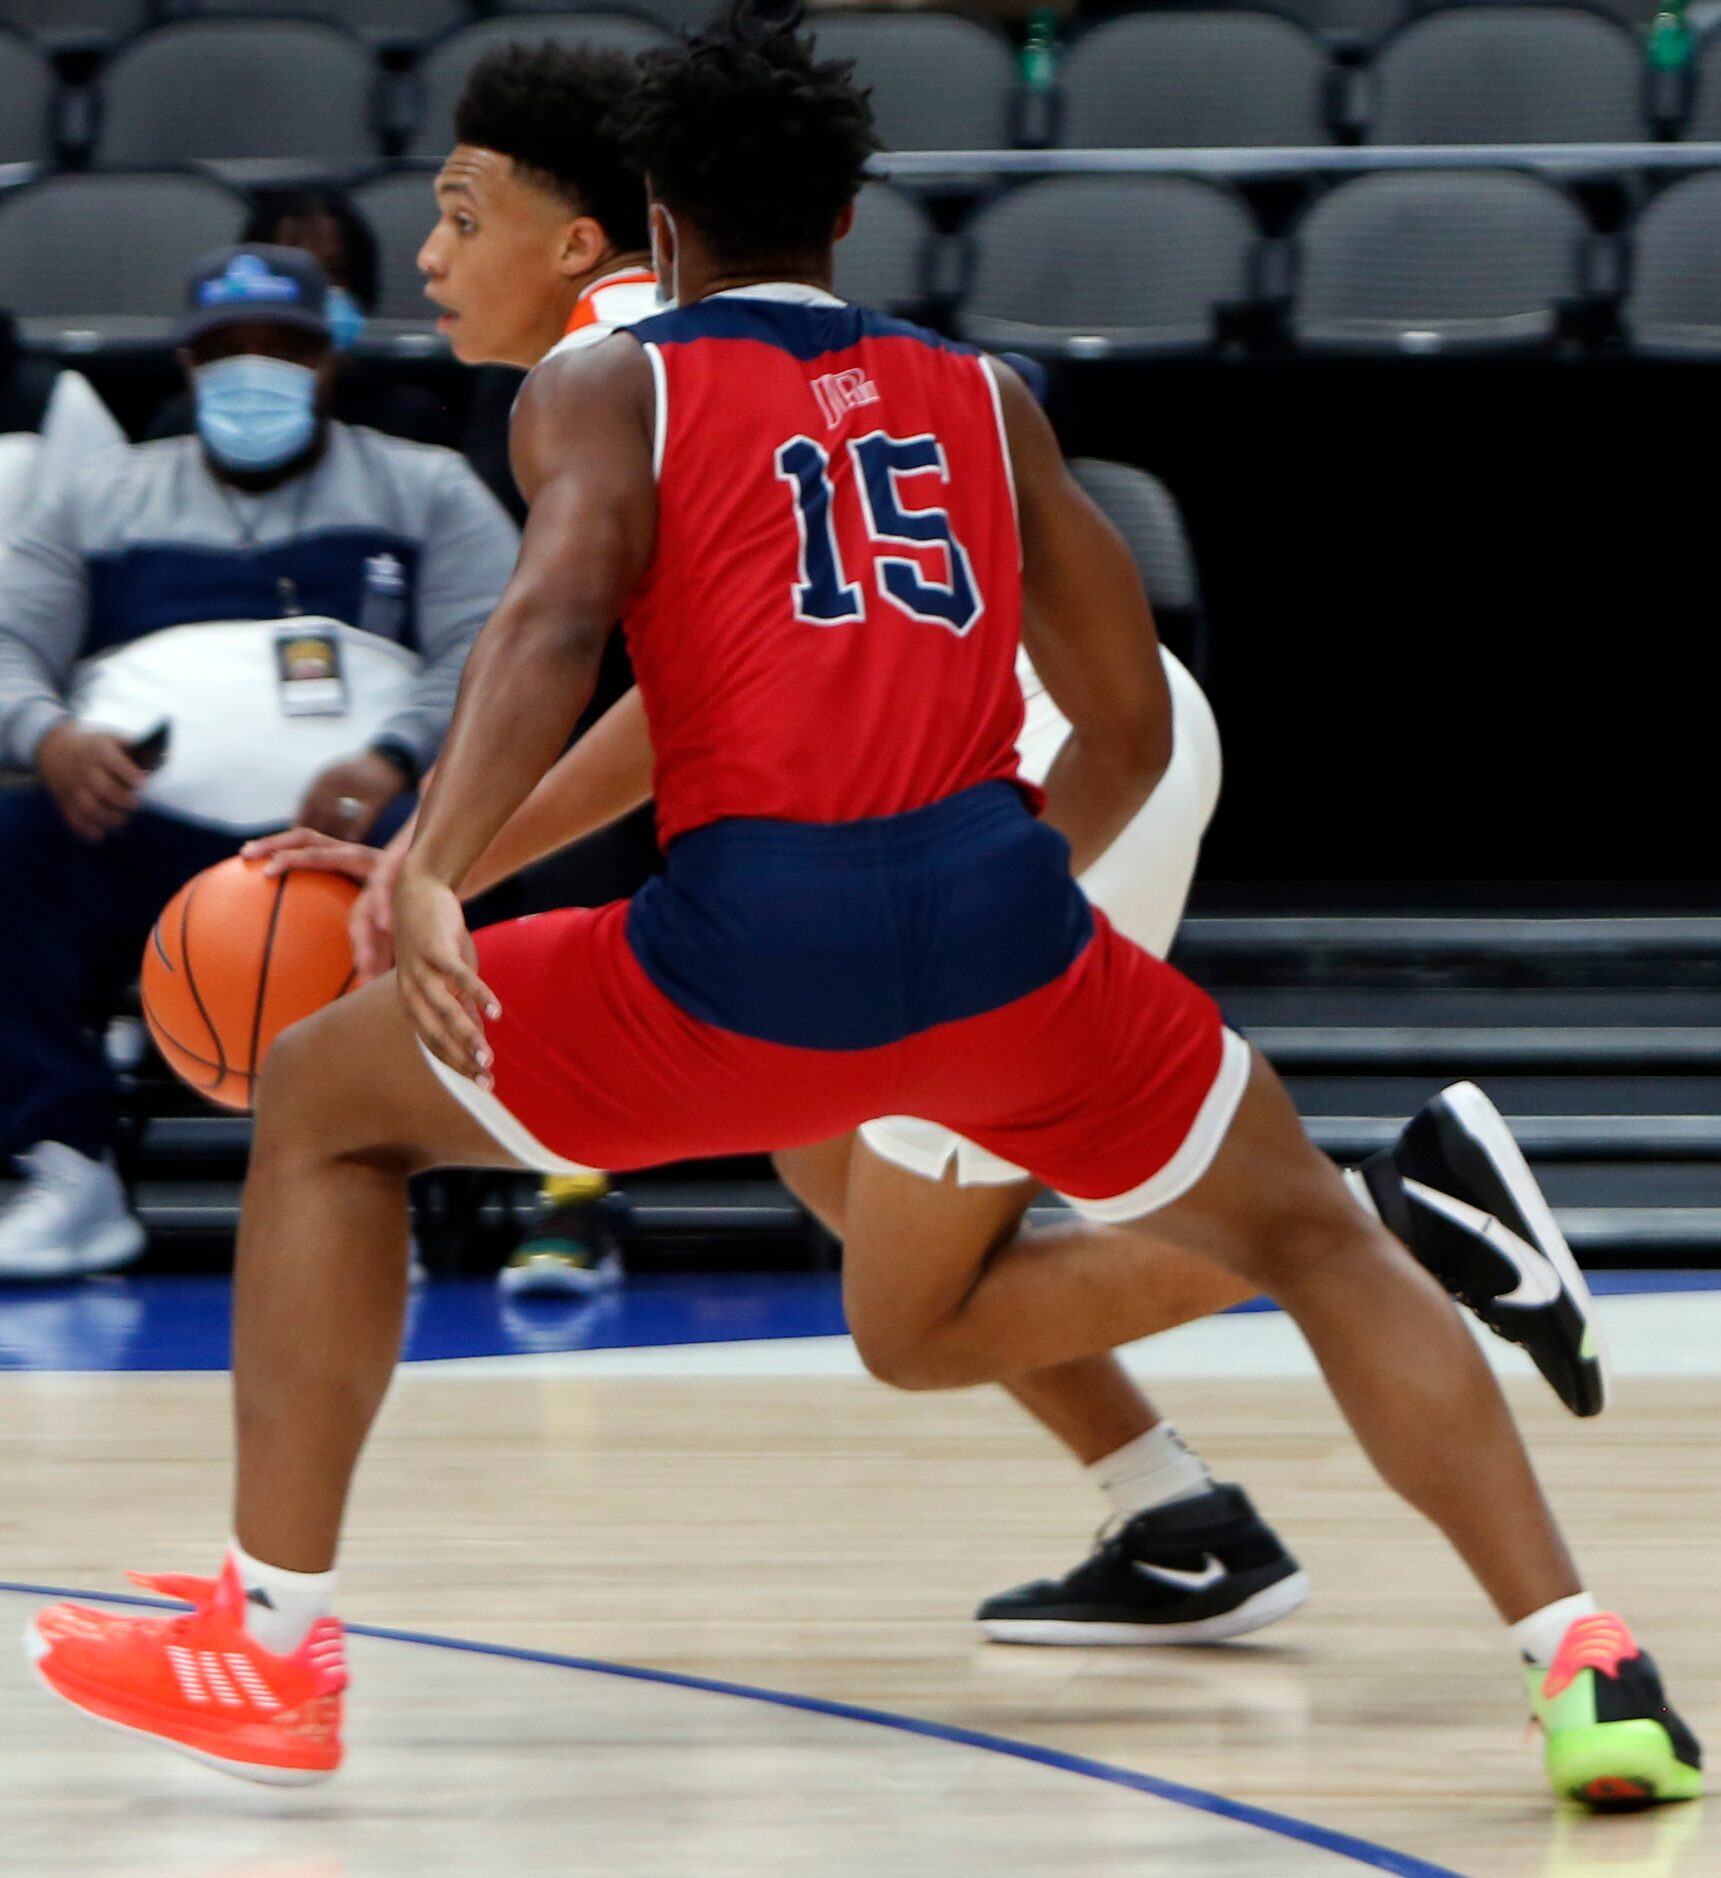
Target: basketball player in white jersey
[[540, 245]]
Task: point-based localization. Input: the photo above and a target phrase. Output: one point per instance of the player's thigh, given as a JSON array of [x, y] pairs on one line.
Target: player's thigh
[[353, 1080], [1271, 1206], [913, 1250], [818, 1176]]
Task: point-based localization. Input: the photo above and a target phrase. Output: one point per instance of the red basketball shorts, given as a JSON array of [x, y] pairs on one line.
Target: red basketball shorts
[[1114, 1085]]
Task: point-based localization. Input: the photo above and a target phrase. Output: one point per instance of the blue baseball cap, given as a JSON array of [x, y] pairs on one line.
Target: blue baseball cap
[[256, 282]]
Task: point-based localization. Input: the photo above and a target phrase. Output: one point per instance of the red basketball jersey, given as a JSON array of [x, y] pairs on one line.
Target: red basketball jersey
[[829, 625]]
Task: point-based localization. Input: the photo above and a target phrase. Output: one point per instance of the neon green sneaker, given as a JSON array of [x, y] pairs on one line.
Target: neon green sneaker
[[1611, 1739]]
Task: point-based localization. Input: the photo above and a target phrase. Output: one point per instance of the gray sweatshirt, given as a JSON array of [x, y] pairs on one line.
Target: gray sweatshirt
[[396, 538]]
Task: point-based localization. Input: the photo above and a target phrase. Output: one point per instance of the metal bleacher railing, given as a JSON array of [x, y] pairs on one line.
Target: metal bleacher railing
[[1569, 160]]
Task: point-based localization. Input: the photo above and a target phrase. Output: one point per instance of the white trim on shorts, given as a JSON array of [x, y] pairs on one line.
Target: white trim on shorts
[[501, 1124], [926, 1149]]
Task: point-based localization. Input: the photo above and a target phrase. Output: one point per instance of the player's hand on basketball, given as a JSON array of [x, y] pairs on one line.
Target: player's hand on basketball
[[435, 967], [348, 796], [308, 848], [93, 781]]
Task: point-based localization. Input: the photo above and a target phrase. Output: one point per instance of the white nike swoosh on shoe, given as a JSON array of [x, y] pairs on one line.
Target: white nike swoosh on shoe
[[1199, 1580], [1538, 1281]]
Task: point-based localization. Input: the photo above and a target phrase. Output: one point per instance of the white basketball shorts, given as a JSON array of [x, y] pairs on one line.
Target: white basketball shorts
[[1141, 883]]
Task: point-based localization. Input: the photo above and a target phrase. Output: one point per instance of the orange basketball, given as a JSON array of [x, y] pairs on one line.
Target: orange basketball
[[235, 958]]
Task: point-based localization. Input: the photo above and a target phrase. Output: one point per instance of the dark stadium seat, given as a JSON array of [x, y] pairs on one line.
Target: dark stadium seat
[[442, 72], [54, 22], [1636, 14], [1704, 123], [1673, 307], [1508, 74], [109, 253], [401, 209], [208, 90], [27, 94], [1141, 509], [1348, 22], [672, 14], [1114, 266], [1437, 262], [939, 82], [1174, 80], [883, 262], [1145, 513], [382, 22]]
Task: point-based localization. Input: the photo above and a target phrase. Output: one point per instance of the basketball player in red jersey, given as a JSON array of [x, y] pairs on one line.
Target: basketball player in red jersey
[[824, 531], [539, 244], [541, 235]]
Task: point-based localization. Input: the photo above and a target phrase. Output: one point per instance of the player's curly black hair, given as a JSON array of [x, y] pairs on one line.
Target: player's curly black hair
[[553, 109], [747, 133]]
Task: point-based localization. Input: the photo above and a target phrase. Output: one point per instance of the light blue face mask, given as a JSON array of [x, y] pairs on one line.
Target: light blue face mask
[[346, 318], [255, 413]]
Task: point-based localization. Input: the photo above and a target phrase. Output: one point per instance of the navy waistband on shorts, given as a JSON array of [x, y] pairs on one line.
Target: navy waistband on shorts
[[850, 935]]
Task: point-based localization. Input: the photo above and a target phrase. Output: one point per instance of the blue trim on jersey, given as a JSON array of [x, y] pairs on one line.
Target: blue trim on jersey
[[852, 935], [806, 332], [149, 585]]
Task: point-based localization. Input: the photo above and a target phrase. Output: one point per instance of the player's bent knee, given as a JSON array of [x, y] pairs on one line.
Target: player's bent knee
[[1320, 1249], [310, 1082], [288, 1070], [923, 1358]]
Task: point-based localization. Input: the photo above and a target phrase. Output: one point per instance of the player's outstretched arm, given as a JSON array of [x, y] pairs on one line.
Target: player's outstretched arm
[[581, 446], [1088, 628], [605, 776]]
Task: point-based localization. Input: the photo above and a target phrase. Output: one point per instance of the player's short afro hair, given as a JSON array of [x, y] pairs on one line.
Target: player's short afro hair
[[749, 135], [553, 109]]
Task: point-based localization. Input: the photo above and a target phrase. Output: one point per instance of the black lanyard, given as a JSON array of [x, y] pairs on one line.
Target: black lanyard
[[286, 589]]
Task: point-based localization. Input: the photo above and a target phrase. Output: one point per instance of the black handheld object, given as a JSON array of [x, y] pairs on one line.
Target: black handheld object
[[150, 750]]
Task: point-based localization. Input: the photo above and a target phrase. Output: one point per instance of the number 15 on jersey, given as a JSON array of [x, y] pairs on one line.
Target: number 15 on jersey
[[824, 593]]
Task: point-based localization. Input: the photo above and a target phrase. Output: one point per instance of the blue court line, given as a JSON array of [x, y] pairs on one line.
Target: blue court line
[[1198, 1799]]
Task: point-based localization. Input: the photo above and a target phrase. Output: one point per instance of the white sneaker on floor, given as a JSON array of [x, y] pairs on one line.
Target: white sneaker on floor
[[68, 1219]]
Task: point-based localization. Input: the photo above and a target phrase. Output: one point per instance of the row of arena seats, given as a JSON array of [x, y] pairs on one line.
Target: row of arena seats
[[220, 90], [405, 24], [387, 24], [1072, 267]]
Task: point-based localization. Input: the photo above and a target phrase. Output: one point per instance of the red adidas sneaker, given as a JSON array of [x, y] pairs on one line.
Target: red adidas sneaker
[[199, 1682]]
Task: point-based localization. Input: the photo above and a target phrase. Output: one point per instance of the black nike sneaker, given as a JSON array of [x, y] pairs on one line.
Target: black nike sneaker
[[1197, 1571], [1456, 1189]]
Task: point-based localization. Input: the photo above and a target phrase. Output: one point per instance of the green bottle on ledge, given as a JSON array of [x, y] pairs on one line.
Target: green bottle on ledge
[[1670, 39], [1037, 122]]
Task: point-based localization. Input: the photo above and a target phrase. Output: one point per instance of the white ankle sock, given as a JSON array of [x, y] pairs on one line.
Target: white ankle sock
[[1152, 1470], [281, 1606], [1538, 1636]]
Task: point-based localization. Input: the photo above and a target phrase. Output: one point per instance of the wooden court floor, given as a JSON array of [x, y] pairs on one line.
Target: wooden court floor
[[826, 1537]]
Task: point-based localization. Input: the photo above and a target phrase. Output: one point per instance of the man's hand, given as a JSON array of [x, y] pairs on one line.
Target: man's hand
[[348, 796], [92, 780], [435, 958]]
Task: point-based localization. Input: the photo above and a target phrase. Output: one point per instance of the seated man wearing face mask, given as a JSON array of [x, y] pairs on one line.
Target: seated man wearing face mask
[[202, 638], [327, 223]]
